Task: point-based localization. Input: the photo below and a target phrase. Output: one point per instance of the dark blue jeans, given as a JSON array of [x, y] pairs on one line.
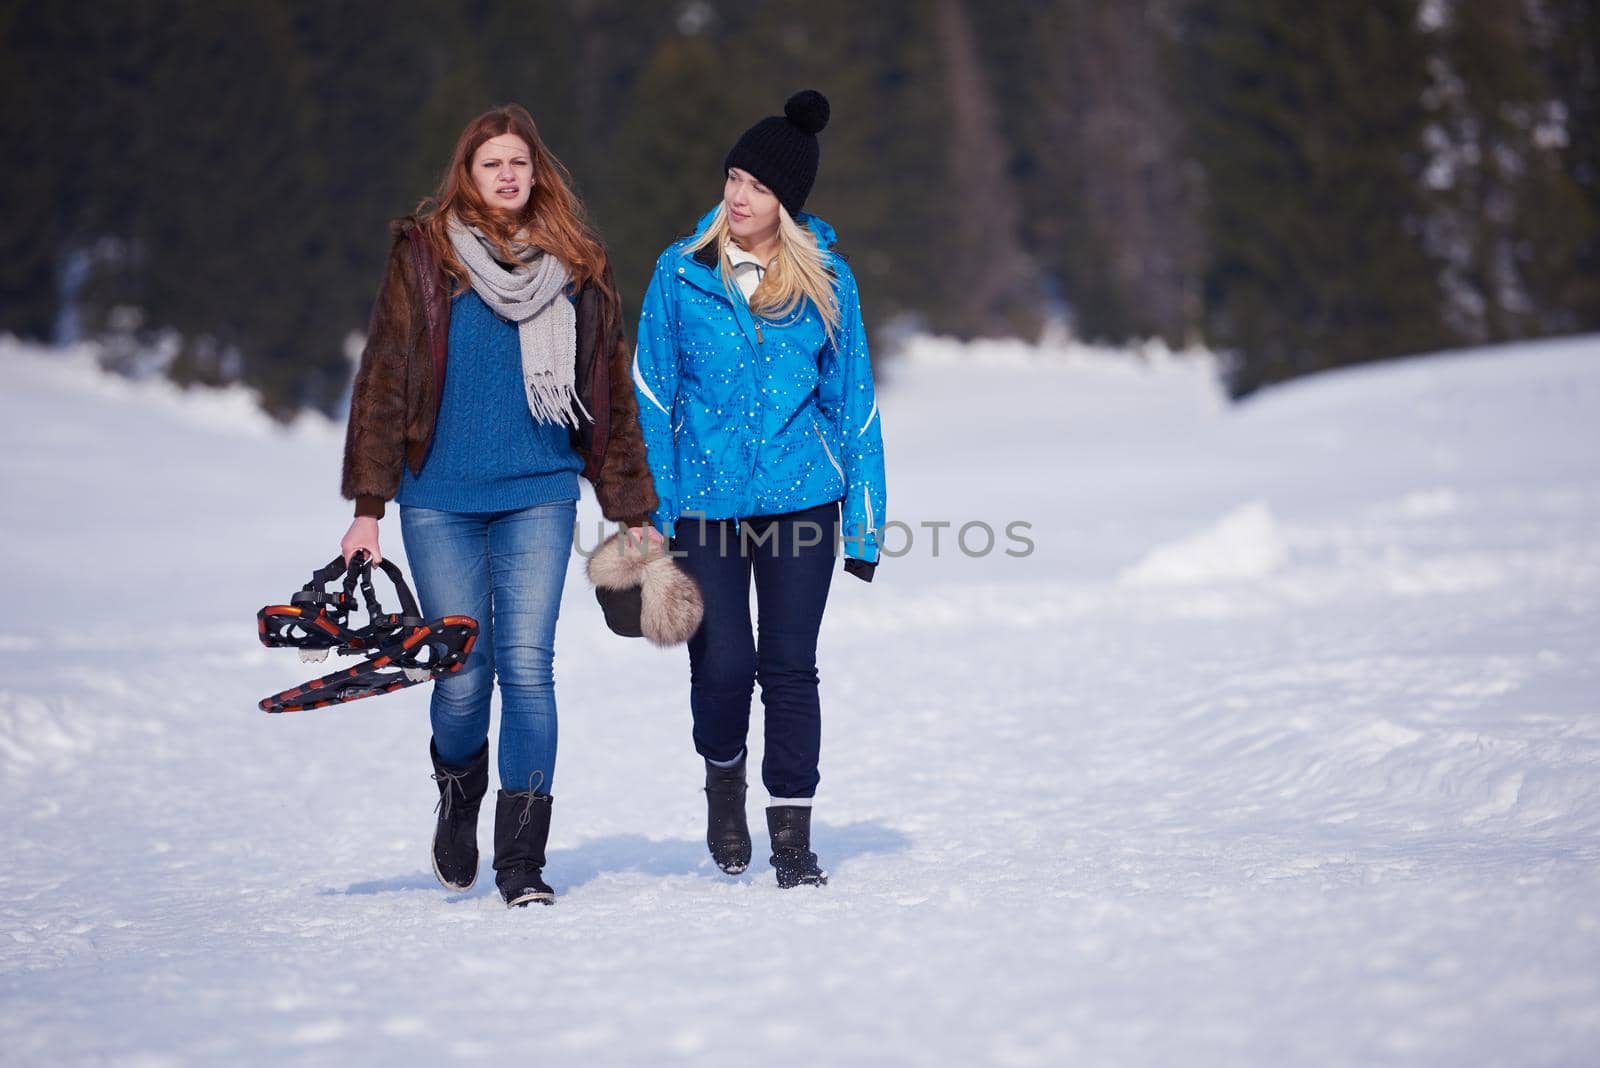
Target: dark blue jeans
[[791, 558]]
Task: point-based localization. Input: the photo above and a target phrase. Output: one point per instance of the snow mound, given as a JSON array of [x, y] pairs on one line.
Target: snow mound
[[1243, 545]]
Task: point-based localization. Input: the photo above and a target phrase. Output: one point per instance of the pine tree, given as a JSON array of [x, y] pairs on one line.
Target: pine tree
[[1097, 147], [32, 179], [992, 288], [360, 163], [1507, 220], [668, 156], [223, 227], [74, 128], [1308, 123], [1566, 39], [883, 181]]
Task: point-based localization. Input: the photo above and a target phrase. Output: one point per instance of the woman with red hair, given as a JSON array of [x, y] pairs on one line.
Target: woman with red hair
[[495, 374]]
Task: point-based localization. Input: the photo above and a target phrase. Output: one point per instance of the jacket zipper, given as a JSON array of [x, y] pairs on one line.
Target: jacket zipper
[[872, 525]]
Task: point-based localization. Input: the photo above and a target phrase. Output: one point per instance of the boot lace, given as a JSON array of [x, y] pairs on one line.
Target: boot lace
[[535, 780], [454, 780]]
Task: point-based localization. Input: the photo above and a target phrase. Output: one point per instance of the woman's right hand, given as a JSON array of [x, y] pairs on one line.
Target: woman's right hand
[[640, 533], [363, 534]]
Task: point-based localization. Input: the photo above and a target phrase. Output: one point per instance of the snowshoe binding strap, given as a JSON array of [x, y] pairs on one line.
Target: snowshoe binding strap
[[402, 648], [361, 569], [316, 620]]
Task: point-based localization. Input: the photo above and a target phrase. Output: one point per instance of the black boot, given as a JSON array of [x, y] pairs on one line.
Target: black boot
[[792, 859], [727, 831], [521, 828], [455, 836]]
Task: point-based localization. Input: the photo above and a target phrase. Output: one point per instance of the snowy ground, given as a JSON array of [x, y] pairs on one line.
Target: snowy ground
[[1282, 747]]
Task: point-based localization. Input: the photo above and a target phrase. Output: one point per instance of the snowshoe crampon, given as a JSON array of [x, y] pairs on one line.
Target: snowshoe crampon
[[402, 649]]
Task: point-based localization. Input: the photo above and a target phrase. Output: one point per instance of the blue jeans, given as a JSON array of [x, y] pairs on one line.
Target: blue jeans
[[505, 570], [791, 557]]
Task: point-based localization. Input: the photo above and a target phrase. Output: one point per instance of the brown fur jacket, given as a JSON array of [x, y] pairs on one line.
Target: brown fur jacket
[[401, 380]]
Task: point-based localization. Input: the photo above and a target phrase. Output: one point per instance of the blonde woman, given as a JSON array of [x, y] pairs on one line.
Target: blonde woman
[[756, 399]]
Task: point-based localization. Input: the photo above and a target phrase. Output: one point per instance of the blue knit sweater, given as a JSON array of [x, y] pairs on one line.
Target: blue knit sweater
[[488, 454]]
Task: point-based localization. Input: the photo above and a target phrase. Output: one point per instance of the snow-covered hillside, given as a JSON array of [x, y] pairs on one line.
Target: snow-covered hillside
[[1276, 743]]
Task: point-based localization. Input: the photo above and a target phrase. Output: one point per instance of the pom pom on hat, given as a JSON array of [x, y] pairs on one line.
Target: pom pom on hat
[[808, 109]]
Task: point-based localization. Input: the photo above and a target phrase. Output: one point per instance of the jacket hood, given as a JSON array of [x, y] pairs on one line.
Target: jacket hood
[[825, 233]]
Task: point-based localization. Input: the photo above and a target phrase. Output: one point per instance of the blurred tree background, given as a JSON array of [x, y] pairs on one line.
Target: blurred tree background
[[1298, 185]]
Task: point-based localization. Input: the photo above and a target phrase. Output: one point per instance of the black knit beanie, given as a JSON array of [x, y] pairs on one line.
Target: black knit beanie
[[781, 150]]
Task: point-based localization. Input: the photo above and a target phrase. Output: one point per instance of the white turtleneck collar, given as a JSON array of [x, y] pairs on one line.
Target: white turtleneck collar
[[748, 270]]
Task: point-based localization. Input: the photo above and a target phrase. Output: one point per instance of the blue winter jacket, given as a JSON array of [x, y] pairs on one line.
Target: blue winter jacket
[[746, 416]]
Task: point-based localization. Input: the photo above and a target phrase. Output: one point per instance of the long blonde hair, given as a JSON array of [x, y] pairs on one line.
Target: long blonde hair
[[799, 272]]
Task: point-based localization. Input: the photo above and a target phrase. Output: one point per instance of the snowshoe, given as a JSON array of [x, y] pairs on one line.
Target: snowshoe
[[401, 648]]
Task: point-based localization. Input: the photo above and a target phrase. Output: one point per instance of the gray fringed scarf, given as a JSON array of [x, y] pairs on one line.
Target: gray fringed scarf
[[532, 295]]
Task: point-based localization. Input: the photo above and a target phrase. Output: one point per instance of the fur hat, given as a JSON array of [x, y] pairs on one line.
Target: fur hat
[[642, 592]]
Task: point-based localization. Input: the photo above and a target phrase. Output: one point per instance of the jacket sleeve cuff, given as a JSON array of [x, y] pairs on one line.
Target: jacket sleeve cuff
[[369, 505], [860, 569], [863, 547]]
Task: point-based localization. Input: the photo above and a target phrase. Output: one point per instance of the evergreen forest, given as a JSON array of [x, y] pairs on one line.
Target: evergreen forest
[[204, 187]]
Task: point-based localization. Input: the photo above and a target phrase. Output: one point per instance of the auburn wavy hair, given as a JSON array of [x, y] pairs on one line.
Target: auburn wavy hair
[[552, 220]]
